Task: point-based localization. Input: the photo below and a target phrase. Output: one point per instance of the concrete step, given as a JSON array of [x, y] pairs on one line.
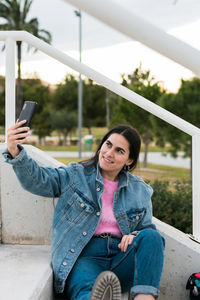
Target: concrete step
[[26, 273]]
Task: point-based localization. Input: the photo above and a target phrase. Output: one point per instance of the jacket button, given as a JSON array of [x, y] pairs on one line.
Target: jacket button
[[98, 189], [137, 217], [72, 250], [98, 214], [64, 263], [84, 233]]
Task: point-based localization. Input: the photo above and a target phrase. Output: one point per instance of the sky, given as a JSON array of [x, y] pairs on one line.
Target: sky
[[106, 50]]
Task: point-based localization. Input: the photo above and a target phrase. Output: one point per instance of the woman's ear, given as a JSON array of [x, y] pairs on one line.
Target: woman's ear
[[129, 162]]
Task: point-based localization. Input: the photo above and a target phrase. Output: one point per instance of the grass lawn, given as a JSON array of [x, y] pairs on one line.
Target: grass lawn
[[165, 173]]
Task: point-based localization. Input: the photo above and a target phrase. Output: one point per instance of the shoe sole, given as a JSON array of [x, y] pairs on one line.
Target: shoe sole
[[106, 287]]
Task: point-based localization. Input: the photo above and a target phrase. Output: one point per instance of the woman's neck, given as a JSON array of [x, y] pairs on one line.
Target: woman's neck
[[109, 175]]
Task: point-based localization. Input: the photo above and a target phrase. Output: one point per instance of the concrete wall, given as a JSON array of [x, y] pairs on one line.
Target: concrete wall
[[27, 218], [182, 258]]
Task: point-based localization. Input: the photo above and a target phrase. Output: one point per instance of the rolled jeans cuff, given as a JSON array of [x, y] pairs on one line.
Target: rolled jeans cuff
[[144, 289]]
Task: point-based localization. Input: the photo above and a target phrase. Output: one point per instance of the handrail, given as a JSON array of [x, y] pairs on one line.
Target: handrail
[[103, 80], [11, 36], [137, 28], [148, 34]]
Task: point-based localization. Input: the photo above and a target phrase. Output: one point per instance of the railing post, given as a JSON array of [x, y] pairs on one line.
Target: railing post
[[10, 84], [196, 185]]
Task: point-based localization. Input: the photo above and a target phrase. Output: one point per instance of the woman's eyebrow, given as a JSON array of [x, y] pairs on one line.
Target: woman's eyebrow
[[118, 148], [121, 149], [109, 141]]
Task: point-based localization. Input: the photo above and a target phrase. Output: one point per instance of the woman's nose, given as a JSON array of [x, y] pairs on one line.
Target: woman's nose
[[110, 152]]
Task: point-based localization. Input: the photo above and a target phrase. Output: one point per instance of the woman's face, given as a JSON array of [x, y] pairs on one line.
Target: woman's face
[[114, 155]]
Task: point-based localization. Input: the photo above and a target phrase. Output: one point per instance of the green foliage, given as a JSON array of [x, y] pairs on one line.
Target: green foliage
[[14, 16], [66, 97], [145, 85], [33, 90], [188, 99], [179, 141], [94, 105], [185, 104], [141, 83], [66, 94], [64, 122], [173, 207], [2, 101]]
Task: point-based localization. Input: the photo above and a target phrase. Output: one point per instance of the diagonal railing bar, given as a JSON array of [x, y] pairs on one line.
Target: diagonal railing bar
[[134, 26], [137, 28], [116, 88], [103, 80]]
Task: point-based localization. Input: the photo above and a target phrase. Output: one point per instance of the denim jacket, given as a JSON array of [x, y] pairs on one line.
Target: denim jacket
[[78, 211]]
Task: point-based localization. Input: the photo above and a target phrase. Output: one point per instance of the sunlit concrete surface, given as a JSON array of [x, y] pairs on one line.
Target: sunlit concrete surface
[[25, 272]]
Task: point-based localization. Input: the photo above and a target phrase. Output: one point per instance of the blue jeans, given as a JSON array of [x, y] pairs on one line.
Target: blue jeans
[[138, 269]]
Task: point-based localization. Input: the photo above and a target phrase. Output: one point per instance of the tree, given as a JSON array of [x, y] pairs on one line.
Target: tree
[[34, 90], [66, 94], [64, 122], [94, 97], [145, 85], [94, 105], [2, 101], [185, 104], [13, 14]]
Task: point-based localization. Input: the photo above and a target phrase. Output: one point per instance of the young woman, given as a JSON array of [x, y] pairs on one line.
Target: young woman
[[102, 231]]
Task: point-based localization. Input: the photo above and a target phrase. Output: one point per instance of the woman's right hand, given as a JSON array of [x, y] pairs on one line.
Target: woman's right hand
[[15, 135]]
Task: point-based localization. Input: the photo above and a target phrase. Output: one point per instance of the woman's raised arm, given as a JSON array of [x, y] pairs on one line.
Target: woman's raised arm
[[15, 135]]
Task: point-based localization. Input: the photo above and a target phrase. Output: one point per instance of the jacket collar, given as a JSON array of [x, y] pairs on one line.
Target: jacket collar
[[123, 177]]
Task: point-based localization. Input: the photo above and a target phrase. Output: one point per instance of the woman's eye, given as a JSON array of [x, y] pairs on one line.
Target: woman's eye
[[108, 143], [120, 151]]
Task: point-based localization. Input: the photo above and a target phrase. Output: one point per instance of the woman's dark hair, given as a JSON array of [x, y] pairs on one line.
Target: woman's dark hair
[[131, 135]]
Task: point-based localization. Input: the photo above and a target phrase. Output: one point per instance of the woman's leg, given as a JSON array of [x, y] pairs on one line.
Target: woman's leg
[[81, 279], [140, 267], [91, 262]]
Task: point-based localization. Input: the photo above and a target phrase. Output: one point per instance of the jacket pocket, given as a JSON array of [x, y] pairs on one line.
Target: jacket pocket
[[134, 217], [74, 211]]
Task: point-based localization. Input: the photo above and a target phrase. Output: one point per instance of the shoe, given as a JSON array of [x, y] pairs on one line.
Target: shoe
[[106, 287]]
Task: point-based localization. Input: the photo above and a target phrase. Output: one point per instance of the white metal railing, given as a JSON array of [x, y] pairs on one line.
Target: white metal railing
[[125, 21], [11, 36], [134, 26]]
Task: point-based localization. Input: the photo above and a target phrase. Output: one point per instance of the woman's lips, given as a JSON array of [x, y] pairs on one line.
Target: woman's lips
[[108, 161]]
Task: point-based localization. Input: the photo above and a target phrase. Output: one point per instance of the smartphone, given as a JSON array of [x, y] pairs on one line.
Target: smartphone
[[27, 112]]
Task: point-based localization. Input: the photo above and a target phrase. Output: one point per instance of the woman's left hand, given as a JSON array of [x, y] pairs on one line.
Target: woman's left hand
[[126, 241]]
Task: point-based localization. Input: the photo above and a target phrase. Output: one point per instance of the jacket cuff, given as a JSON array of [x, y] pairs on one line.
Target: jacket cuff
[[135, 233], [9, 159]]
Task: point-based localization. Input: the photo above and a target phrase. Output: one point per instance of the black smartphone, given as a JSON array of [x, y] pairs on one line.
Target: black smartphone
[[27, 112]]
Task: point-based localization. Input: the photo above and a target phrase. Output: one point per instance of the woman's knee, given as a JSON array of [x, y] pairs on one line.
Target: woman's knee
[[152, 236]]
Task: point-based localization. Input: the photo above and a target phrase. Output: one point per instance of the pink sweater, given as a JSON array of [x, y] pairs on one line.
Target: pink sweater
[[108, 222]]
